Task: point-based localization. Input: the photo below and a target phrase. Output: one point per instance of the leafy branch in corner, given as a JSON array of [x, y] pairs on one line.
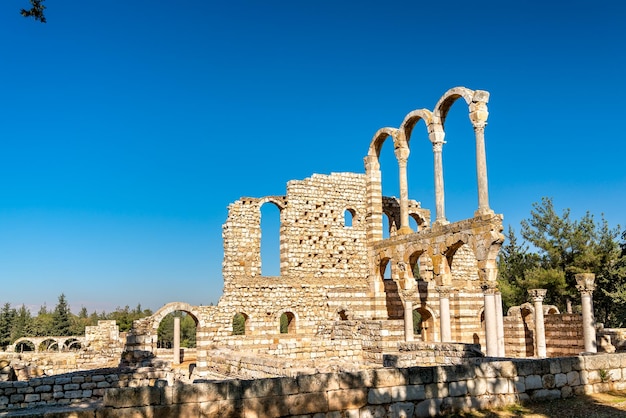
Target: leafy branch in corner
[[36, 12]]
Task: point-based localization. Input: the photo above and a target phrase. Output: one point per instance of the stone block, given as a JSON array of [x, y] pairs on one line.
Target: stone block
[[436, 390], [317, 382], [458, 388], [377, 396], [402, 410], [32, 397], [373, 411], [420, 375], [573, 378], [408, 393], [132, 397], [560, 380], [428, 408], [389, 377], [263, 407], [342, 399], [199, 392], [548, 381], [352, 380], [477, 387], [533, 382], [306, 403], [546, 394]]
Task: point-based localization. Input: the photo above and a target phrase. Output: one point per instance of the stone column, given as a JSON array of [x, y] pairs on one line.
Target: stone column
[[491, 323], [402, 155], [585, 283], [444, 314], [406, 295], [176, 340], [478, 115], [537, 296], [436, 137], [499, 324]]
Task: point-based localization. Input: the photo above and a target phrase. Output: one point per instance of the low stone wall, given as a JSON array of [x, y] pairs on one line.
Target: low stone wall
[[430, 354], [74, 388], [414, 391]]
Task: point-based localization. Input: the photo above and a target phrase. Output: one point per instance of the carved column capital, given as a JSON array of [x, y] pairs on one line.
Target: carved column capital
[[402, 154], [444, 291], [537, 295], [406, 294], [489, 288], [585, 283], [478, 114]]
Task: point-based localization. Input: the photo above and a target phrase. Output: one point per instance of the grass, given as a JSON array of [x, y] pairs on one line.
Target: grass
[[601, 405]]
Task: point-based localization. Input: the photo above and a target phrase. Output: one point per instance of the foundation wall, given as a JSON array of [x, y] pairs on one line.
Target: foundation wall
[[414, 392]]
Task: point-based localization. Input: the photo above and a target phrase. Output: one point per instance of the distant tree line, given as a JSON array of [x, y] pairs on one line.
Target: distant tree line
[[17, 323], [553, 249]]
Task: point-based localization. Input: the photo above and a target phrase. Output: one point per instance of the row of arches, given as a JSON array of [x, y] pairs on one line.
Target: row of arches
[[48, 344], [286, 323], [434, 122]]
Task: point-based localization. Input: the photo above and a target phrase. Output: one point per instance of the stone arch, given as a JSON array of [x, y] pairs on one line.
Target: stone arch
[[49, 344], [72, 343], [241, 316], [447, 100], [278, 202], [379, 139], [421, 264], [550, 310], [412, 119], [167, 309], [349, 218], [428, 329], [291, 318], [26, 341], [419, 220]]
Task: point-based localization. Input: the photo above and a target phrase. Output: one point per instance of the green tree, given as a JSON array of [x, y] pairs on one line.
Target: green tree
[[7, 314], [187, 330], [36, 11], [42, 323], [562, 248], [61, 318], [22, 324]]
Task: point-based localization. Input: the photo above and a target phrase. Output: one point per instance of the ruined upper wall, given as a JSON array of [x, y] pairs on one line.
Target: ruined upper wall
[[322, 231]]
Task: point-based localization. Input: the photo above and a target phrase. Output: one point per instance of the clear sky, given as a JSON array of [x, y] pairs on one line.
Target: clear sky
[[126, 128]]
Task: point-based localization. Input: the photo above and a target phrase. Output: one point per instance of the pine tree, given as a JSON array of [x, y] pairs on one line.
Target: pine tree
[[61, 318]]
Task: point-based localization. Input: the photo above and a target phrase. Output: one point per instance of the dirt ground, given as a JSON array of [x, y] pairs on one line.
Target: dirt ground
[[612, 404]]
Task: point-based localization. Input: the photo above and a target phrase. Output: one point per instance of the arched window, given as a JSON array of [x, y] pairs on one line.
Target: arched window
[[287, 323], [270, 239], [240, 324], [348, 217]]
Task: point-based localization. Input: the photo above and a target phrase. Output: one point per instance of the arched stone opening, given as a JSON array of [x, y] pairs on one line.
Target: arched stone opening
[[421, 266], [287, 323], [189, 325], [24, 346], [49, 344], [349, 217], [425, 326], [384, 268], [240, 324], [270, 230], [72, 344]]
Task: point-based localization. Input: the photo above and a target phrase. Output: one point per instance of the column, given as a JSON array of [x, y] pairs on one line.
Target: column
[[436, 137], [478, 115], [537, 296], [444, 314], [491, 326], [500, 324], [405, 295], [585, 283], [402, 155], [176, 340]]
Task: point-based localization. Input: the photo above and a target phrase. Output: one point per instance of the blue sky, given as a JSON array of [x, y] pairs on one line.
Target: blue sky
[[126, 128]]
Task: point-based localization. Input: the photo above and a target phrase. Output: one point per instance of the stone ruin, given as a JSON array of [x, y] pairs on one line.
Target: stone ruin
[[348, 291]]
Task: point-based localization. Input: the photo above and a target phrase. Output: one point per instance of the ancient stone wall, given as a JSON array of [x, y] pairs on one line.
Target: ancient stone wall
[[564, 335], [74, 388], [414, 392]]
